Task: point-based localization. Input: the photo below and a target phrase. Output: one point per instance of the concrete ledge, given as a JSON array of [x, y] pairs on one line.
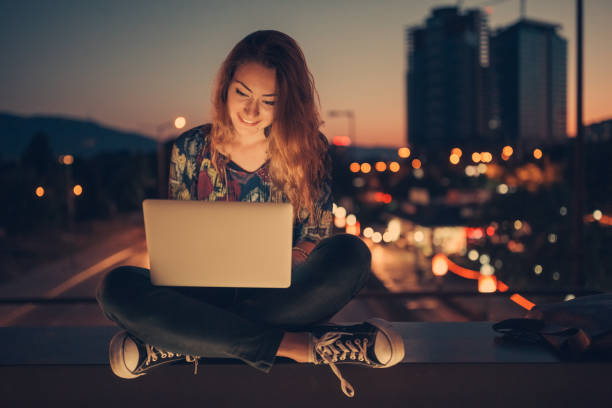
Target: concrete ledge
[[446, 364]]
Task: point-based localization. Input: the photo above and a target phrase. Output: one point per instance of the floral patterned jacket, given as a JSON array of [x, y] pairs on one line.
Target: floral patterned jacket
[[193, 177]]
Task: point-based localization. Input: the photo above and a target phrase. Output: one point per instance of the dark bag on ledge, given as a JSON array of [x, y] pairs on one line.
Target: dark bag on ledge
[[576, 329]]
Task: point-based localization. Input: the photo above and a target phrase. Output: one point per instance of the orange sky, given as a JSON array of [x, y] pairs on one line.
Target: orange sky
[[133, 66]]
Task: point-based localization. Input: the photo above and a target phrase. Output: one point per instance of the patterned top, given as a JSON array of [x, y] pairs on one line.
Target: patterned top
[[193, 177]]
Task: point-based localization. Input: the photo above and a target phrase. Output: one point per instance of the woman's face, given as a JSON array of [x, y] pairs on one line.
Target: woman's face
[[251, 97]]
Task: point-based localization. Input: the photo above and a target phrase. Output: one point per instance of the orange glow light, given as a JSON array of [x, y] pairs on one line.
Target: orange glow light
[[180, 122], [416, 164], [459, 270], [380, 166], [537, 153], [341, 141], [457, 151], [454, 159], [521, 301], [507, 151], [394, 167], [486, 157], [354, 229], [366, 168], [487, 284], [475, 157], [605, 219], [501, 286], [39, 191], [403, 152], [490, 231], [386, 198], [474, 233], [439, 267], [354, 167], [77, 190], [68, 159]]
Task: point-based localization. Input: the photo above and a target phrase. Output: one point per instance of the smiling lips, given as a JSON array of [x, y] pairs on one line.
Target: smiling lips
[[246, 122]]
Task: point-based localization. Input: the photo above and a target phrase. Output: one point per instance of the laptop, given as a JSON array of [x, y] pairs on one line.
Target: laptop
[[219, 244]]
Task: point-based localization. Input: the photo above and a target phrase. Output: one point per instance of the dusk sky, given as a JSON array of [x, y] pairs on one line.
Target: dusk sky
[[136, 64]]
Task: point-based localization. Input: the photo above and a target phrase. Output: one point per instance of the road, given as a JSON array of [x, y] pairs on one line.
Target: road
[[77, 276]]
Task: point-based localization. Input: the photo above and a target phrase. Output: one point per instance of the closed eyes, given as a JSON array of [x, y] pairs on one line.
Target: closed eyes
[[239, 92]]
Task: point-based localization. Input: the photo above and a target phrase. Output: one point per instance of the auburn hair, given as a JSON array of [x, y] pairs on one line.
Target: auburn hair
[[297, 151]]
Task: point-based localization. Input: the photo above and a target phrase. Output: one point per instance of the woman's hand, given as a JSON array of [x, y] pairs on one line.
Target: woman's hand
[[300, 252]]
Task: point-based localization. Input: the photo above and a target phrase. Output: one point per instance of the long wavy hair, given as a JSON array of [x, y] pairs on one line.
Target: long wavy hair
[[297, 151]]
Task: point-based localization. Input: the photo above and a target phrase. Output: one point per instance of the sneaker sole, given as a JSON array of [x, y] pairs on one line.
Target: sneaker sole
[[395, 340], [115, 355]]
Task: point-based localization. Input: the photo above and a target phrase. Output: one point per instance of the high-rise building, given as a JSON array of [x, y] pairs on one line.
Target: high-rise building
[[448, 80], [530, 65]]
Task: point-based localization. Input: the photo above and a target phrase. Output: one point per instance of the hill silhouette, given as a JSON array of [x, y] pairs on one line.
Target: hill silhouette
[[83, 138]]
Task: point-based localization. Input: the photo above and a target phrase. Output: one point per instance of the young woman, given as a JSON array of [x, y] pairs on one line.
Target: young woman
[[262, 146]]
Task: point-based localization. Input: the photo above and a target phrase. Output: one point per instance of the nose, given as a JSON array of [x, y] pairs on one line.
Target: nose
[[251, 109]]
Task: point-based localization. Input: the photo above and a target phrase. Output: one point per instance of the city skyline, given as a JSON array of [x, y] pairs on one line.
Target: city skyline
[[134, 66]]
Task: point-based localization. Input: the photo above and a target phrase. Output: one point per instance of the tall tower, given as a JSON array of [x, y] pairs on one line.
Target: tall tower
[[448, 80], [530, 61]]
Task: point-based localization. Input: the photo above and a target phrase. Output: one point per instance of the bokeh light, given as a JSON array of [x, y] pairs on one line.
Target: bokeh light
[[487, 284], [366, 168], [394, 167], [39, 191], [487, 269], [77, 190], [403, 152], [355, 167], [473, 255], [439, 266], [180, 122], [484, 259], [416, 164], [68, 159], [537, 153]]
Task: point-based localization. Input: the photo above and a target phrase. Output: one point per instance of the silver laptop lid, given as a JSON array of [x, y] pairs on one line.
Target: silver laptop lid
[[219, 244]]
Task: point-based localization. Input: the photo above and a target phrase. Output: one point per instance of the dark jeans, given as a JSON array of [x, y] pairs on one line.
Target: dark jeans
[[247, 324]]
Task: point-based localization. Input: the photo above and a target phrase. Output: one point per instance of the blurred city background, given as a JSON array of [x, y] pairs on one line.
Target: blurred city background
[[455, 131]]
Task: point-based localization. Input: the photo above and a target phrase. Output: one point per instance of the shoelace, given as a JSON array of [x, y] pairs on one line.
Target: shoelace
[[331, 349], [153, 351]]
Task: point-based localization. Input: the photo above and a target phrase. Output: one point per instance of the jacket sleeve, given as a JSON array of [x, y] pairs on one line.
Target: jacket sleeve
[[182, 180]]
